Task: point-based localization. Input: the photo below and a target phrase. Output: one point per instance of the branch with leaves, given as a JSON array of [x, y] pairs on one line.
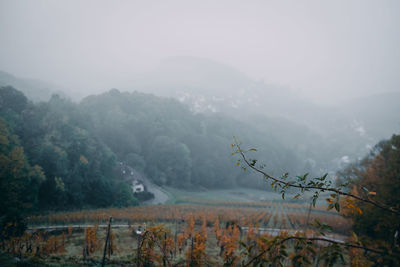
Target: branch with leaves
[[316, 185], [307, 244], [155, 236], [319, 184]]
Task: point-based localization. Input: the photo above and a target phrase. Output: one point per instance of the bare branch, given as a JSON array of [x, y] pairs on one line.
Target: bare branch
[[344, 244]]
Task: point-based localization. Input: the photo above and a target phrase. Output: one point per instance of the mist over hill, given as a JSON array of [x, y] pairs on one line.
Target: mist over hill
[[325, 137], [36, 90], [211, 86], [347, 129]]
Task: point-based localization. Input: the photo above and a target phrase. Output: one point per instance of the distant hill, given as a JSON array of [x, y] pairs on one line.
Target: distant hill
[[35, 90], [177, 147], [325, 137], [210, 86], [343, 131]]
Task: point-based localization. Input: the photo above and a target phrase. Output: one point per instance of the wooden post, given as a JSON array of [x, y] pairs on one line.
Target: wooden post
[[105, 246], [191, 254], [164, 250], [175, 238], [85, 247], [138, 250]]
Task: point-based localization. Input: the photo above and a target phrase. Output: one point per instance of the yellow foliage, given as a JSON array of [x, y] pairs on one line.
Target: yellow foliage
[[190, 228], [83, 160], [197, 255], [230, 242], [349, 206], [53, 245], [91, 240]]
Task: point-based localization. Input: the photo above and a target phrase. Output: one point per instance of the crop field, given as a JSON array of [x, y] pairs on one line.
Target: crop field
[[260, 214], [211, 233]]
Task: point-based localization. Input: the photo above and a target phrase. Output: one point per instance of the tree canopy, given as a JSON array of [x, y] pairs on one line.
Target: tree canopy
[[376, 177], [49, 159]]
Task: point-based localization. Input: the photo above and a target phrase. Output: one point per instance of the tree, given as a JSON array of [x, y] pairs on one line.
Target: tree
[[171, 162], [12, 99], [376, 177], [124, 196], [19, 184], [57, 136]]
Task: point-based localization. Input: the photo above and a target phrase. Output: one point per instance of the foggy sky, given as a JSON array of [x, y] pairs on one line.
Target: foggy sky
[[327, 50]]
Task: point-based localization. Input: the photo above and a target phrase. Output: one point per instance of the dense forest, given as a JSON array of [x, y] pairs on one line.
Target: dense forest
[[50, 161], [73, 148]]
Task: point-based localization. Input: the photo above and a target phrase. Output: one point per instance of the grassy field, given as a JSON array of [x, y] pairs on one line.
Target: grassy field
[[177, 196], [236, 195]]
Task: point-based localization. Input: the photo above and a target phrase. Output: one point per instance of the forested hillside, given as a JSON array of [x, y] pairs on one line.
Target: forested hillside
[[327, 137], [74, 167], [74, 147], [175, 146]]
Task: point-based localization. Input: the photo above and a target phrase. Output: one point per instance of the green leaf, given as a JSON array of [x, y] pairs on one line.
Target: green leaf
[[365, 189], [314, 201], [243, 244], [296, 196], [326, 227], [337, 206], [318, 223], [341, 258]]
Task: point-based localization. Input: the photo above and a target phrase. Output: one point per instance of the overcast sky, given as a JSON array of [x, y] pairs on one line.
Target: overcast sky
[[323, 48]]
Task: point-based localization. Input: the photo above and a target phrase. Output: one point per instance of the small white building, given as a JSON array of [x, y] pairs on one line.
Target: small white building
[[137, 186]]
